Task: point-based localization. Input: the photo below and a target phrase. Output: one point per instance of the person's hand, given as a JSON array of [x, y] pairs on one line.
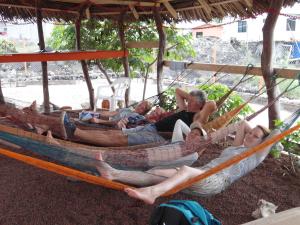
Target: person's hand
[[94, 120], [122, 123]]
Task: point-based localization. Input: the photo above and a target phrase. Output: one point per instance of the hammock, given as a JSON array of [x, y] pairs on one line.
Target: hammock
[[232, 161], [117, 186]]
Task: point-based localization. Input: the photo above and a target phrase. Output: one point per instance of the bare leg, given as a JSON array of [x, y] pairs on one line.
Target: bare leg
[[51, 140], [139, 178], [101, 138], [149, 194]]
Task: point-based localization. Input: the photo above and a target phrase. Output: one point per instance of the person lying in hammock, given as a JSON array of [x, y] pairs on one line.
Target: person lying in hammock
[[126, 113], [194, 107], [163, 180]]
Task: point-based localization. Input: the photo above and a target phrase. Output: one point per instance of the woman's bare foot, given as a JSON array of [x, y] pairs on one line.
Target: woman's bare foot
[[98, 156], [107, 171], [144, 194], [50, 139]]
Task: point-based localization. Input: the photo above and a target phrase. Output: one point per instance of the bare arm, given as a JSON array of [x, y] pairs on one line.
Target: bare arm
[[207, 110], [103, 122], [107, 114], [240, 134], [181, 98]]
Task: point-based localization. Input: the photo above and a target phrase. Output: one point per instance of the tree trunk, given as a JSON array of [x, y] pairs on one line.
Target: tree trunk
[[161, 50], [101, 68], [125, 58], [84, 64], [267, 57], [44, 64]]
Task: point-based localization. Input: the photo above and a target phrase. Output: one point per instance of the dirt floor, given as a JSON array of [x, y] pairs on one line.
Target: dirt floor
[[29, 195]]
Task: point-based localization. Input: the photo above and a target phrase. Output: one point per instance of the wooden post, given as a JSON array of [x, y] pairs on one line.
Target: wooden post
[[44, 64], [123, 46], [161, 49], [266, 59], [84, 64], [2, 101]]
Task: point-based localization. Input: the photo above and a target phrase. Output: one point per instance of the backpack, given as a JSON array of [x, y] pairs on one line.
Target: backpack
[[182, 212]]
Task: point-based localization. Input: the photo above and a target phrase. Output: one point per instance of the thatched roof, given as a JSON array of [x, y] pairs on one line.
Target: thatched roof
[[171, 10]]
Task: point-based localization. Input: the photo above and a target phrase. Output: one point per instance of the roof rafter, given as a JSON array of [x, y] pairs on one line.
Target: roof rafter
[[171, 10]]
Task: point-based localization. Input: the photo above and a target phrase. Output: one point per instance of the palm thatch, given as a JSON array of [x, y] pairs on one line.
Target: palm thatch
[[170, 10]]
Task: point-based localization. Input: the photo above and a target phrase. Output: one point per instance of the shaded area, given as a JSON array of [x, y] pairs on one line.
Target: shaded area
[[29, 195]]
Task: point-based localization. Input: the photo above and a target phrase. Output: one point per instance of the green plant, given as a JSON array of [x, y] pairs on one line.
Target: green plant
[[7, 47], [216, 91], [169, 102], [291, 143]]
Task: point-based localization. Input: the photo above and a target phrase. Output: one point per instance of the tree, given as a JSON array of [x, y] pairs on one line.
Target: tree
[[103, 35], [7, 47]]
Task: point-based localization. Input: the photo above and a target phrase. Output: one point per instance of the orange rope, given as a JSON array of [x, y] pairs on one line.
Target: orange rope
[[63, 170], [223, 120], [231, 161], [61, 56]]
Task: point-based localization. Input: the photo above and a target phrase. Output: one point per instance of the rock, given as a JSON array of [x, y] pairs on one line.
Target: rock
[[264, 209]]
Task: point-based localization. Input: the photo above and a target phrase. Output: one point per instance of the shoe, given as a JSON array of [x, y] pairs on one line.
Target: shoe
[[68, 127]]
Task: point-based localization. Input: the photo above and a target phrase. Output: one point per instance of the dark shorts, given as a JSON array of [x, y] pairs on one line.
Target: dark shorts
[[142, 135]]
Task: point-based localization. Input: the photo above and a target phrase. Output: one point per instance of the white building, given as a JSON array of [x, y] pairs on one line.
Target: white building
[[287, 27]]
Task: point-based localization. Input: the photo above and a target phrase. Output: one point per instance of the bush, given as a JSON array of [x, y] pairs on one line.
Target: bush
[[217, 91], [291, 143], [169, 102], [214, 92]]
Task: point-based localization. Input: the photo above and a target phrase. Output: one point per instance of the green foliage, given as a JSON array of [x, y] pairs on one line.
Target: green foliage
[[214, 92], [182, 46], [217, 91], [169, 103], [7, 47], [103, 35], [291, 143]]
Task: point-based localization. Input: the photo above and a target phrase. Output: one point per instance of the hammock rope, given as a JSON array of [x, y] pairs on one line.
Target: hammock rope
[[287, 89], [213, 76], [62, 170]]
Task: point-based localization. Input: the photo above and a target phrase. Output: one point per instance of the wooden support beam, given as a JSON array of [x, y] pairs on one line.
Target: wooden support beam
[[33, 8], [39, 20], [267, 59], [205, 7], [170, 9], [134, 12], [216, 4], [233, 69], [161, 50], [113, 2], [220, 10], [142, 44], [61, 56], [88, 14], [249, 3], [125, 60]]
